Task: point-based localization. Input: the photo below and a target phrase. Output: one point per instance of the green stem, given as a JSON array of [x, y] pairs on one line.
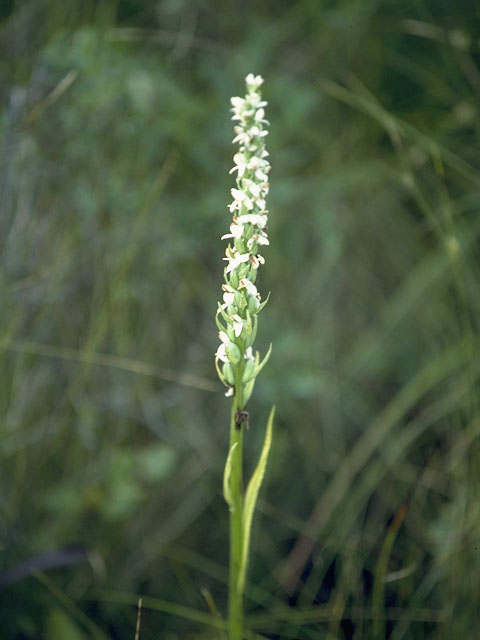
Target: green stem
[[235, 603]]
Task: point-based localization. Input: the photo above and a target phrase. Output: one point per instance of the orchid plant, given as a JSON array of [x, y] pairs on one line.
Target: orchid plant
[[236, 318]]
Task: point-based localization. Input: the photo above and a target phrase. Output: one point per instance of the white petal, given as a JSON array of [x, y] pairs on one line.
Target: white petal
[[256, 261], [237, 102], [253, 218], [239, 158], [260, 238], [221, 354], [223, 337], [236, 230], [245, 283], [235, 258], [241, 136], [237, 195], [254, 189], [228, 299], [237, 324], [253, 81], [260, 175]]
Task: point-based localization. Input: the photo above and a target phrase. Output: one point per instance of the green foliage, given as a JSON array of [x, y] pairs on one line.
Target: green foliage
[[251, 497], [115, 143], [60, 625], [227, 493]]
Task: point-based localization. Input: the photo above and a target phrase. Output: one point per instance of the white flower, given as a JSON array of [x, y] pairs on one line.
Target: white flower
[[255, 132], [259, 166], [259, 238], [247, 284], [257, 260], [237, 324], [223, 337], [253, 81], [253, 218], [228, 296], [251, 186], [237, 103], [242, 136], [240, 198], [235, 258], [236, 231], [240, 164], [256, 191], [221, 354]]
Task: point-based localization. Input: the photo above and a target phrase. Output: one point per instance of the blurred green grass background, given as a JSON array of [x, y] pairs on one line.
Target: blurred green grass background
[[114, 186]]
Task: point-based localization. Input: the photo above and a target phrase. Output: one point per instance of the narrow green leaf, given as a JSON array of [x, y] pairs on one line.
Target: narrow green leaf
[[61, 625], [378, 596], [264, 361], [248, 390], [260, 307], [254, 329], [251, 496], [227, 494], [259, 367]]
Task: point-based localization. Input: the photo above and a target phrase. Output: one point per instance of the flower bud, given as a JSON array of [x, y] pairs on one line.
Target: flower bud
[[228, 373], [233, 353], [234, 279], [253, 304], [248, 370]]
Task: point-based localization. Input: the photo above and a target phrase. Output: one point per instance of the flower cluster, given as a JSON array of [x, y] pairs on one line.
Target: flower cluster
[[237, 314]]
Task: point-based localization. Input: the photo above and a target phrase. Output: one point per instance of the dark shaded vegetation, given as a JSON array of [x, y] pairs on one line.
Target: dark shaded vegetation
[[115, 151]]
